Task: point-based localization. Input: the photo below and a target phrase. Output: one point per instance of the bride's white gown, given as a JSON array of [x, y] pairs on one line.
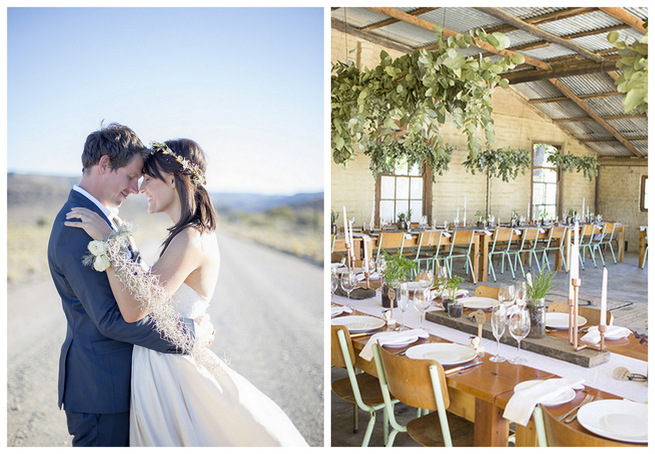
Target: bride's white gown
[[177, 402]]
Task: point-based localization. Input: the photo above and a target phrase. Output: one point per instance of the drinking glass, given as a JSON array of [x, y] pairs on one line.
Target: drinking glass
[[403, 302], [521, 292], [506, 294], [334, 281], [348, 283], [421, 303], [426, 276], [498, 323], [519, 327]]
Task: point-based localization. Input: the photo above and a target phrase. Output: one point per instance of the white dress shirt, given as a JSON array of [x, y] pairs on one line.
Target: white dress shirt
[[110, 213]]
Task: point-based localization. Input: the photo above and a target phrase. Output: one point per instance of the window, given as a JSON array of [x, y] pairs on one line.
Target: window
[[401, 191], [644, 193], [544, 182]]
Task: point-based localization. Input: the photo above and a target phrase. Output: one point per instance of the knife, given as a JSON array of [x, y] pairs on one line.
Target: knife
[[460, 368]]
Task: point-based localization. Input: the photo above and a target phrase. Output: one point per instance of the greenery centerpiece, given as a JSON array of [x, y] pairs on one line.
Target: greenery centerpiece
[[395, 110], [397, 268], [536, 290], [449, 286]]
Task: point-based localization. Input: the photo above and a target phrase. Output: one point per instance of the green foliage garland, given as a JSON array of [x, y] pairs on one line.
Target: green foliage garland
[[501, 163], [588, 164], [405, 100], [634, 76]]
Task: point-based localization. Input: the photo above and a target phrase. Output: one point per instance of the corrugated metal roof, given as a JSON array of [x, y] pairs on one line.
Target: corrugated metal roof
[[571, 21]]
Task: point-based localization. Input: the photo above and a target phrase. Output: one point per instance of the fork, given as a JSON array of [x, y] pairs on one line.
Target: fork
[[586, 399]]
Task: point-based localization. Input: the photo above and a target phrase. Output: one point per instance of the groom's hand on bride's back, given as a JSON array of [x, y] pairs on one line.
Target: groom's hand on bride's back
[[204, 331]]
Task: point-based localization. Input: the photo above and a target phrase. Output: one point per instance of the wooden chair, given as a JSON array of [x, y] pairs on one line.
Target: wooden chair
[[461, 243], [420, 384], [529, 241], [643, 262], [429, 244], [587, 243], [362, 390], [501, 244], [592, 314], [486, 291], [555, 242], [605, 239], [394, 241], [554, 433]]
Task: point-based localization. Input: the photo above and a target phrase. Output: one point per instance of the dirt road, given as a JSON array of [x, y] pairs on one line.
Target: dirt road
[[267, 312]]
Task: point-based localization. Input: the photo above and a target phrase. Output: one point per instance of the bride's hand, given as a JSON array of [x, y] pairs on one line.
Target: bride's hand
[[90, 221]]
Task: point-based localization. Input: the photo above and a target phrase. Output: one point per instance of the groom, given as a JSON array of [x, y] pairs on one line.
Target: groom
[[96, 357]]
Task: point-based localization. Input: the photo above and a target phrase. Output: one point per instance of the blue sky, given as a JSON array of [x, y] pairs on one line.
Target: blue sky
[[245, 83]]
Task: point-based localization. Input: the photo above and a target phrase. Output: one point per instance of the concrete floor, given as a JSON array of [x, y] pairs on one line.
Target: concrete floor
[[627, 299]]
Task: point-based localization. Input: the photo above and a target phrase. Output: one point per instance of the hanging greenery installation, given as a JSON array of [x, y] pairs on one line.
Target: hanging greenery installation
[[396, 109], [634, 76]]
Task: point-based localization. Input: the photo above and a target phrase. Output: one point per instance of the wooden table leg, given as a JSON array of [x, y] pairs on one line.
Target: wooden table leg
[[484, 257], [491, 429], [475, 259], [621, 240], [642, 247], [526, 436]]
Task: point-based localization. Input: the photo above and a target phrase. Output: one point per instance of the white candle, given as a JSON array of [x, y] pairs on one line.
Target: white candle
[[345, 225], [352, 249], [527, 213], [365, 254], [575, 255], [603, 299], [372, 217], [582, 212], [457, 212]]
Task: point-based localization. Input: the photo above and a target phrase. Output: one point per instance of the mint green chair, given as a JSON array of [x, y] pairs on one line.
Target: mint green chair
[[554, 243], [461, 243], [528, 245], [427, 251], [501, 245], [643, 262], [587, 243]]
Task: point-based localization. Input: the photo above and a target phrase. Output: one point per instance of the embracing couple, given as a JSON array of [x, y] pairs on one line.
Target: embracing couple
[[135, 369]]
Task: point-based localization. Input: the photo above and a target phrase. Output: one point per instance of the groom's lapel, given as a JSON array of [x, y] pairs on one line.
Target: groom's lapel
[[77, 199]]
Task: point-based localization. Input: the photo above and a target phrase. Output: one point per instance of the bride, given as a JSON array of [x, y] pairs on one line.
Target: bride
[[196, 399]]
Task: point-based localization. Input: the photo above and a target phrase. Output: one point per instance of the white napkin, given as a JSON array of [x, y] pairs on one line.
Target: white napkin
[[374, 276], [408, 236], [338, 310], [487, 232], [393, 337], [593, 335], [520, 406]]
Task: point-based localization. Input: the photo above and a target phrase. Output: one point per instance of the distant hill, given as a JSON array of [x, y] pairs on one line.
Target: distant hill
[[47, 193]]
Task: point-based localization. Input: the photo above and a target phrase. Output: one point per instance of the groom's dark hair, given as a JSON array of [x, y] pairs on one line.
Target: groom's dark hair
[[118, 142]]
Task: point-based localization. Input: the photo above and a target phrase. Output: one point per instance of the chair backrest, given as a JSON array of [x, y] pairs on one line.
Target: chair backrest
[[486, 291], [556, 233], [587, 232], [333, 240], [391, 240], [428, 240], [608, 229], [463, 236], [338, 359], [409, 380], [592, 314], [554, 433], [531, 234]]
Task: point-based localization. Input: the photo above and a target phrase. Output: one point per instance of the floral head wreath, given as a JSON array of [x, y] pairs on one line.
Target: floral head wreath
[[161, 147]]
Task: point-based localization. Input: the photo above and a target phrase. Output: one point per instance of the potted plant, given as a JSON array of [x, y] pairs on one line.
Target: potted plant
[[478, 216], [536, 290], [448, 298], [333, 220], [402, 222], [397, 268]]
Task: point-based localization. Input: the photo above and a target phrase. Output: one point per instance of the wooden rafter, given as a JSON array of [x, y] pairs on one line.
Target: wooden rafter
[[427, 25], [606, 118], [608, 94], [571, 69], [613, 139], [583, 105], [518, 23], [343, 27], [384, 23], [625, 17], [543, 19]]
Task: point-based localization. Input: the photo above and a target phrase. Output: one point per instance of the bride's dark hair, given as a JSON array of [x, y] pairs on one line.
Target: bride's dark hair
[[197, 208]]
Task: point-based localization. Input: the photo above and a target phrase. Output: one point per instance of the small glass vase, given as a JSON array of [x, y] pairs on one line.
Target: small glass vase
[[537, 311]]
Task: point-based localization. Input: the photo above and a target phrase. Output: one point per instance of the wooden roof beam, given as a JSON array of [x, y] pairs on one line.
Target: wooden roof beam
[[573, 97], [606, 118], [427, 25], [613, 139], [544, 18], [346, 28], [564, 98], [518, 23], [384, 23], [625, 17], [571, 69]]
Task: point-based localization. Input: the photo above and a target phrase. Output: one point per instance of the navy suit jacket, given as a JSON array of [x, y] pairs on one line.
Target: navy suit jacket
[[96, 357]]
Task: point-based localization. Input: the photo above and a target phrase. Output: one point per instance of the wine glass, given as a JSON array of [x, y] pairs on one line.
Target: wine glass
[[519, 327], [426, 276], [348, 283], [334, 282], [521, 291], [403, 302], [421, 303], [498, 323], [506, 294]]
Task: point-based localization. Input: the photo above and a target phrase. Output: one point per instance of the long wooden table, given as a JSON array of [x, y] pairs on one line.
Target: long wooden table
[[480, 394], [643, 241]]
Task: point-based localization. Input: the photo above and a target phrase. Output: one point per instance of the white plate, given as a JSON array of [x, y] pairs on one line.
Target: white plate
[[479, 302], [613, 332], [566, 396], [560, 320], [402, 343], [620, 420], [359, 323], [445, 353]]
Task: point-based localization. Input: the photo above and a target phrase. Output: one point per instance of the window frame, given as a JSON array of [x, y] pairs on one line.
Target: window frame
[[557, 184], [426, 194], [642, 195]]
